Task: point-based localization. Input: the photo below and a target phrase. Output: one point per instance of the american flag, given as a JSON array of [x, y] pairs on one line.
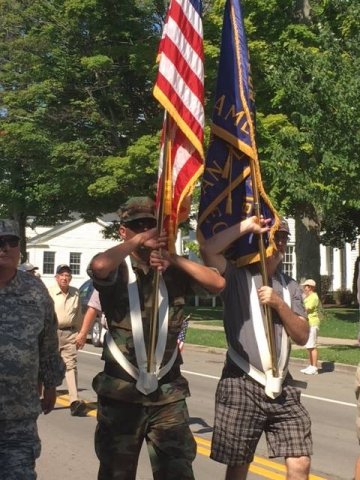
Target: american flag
[[179, 88], [182, 334]]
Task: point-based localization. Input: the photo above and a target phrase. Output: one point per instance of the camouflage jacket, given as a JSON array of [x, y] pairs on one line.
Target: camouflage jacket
[[114, 382], [28, 346]]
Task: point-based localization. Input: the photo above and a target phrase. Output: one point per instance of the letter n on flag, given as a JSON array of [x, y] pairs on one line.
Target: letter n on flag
[[179, 88], [227, 190]]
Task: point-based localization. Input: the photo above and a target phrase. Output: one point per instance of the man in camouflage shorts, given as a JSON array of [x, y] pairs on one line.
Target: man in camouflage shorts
[[29, 360], [133, 405]]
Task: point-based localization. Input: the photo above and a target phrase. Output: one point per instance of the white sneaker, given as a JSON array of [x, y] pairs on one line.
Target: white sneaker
[[306, 370], [311, 371]]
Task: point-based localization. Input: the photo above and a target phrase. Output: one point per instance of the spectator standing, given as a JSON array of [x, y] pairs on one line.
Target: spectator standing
[[68, 311], [29, 359], [29, 268], [312, 306], [249, 400], [134, 404]]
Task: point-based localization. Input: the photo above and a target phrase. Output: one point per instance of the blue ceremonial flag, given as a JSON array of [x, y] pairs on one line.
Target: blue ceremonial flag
[[227, 190]]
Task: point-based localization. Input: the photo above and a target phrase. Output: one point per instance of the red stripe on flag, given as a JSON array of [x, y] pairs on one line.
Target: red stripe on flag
[[164, 85], [188, 75], [189, 32]]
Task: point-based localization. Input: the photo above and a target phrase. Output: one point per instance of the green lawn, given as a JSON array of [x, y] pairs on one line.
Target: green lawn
[[208, 315], [209, 338], [337, 323], [340, 323]]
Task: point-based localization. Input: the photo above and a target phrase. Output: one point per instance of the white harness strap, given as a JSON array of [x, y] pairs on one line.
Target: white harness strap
[[147, 382], [273, 385]]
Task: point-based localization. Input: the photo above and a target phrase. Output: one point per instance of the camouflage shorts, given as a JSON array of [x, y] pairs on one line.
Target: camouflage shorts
[[122, 428], [19, 449]]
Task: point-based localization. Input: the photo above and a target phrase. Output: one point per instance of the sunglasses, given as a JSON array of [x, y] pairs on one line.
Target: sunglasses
[[141, 224], [10, 241]]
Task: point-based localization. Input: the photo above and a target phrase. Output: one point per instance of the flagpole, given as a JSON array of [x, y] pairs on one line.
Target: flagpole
[[267, 310], [160, 226]]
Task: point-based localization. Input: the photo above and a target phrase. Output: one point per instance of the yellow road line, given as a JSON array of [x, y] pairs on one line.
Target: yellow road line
[[203, 448]]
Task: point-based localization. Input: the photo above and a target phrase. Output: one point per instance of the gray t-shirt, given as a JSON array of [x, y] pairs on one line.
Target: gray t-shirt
[[94, 301], [238, 326]]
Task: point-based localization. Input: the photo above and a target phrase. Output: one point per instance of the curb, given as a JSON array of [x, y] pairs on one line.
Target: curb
[[325, 367]]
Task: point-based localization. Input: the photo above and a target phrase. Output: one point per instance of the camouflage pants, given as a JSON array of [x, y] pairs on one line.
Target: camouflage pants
[[122, 428], [19, 448]]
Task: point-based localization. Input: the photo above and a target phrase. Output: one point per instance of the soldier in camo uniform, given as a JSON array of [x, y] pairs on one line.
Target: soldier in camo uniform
[[132, 404], [29, 360]]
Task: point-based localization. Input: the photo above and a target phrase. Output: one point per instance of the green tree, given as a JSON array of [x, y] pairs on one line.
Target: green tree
[[75, 90]]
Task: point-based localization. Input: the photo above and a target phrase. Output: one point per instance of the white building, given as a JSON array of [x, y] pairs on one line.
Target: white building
[[76, 242], [337, 263], [73, 243]]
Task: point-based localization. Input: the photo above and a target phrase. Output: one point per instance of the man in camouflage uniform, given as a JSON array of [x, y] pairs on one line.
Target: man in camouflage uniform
[[29, 359], [128, 413]]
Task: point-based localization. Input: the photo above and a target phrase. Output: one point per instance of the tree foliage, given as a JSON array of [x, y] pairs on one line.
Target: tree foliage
[[75, 90], [79, 128], [309, 123]]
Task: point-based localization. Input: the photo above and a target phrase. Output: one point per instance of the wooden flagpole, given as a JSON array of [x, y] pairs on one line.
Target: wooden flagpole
[[160, 226], [267, 309]]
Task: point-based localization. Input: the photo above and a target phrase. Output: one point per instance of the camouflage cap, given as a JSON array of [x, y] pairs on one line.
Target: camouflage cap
[[27, 267], [9, 227], [135, 208], [284, 226]]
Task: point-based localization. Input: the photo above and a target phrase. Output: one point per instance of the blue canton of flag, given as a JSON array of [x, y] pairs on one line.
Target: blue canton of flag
[[227, 189]]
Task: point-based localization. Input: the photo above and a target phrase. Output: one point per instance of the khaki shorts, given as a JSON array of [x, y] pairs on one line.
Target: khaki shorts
[[312, 340]]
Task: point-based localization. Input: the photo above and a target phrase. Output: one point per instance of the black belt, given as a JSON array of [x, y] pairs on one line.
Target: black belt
[[67, 329]]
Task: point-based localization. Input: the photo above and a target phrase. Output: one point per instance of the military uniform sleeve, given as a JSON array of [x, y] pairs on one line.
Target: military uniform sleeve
[[110, 281], [51, 366]]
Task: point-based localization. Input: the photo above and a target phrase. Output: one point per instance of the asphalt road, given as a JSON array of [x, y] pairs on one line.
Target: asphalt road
[[68, 452]]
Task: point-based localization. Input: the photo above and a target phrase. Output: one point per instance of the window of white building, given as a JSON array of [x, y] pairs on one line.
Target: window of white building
[[49, 263], [288, 262], [75, 261]]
